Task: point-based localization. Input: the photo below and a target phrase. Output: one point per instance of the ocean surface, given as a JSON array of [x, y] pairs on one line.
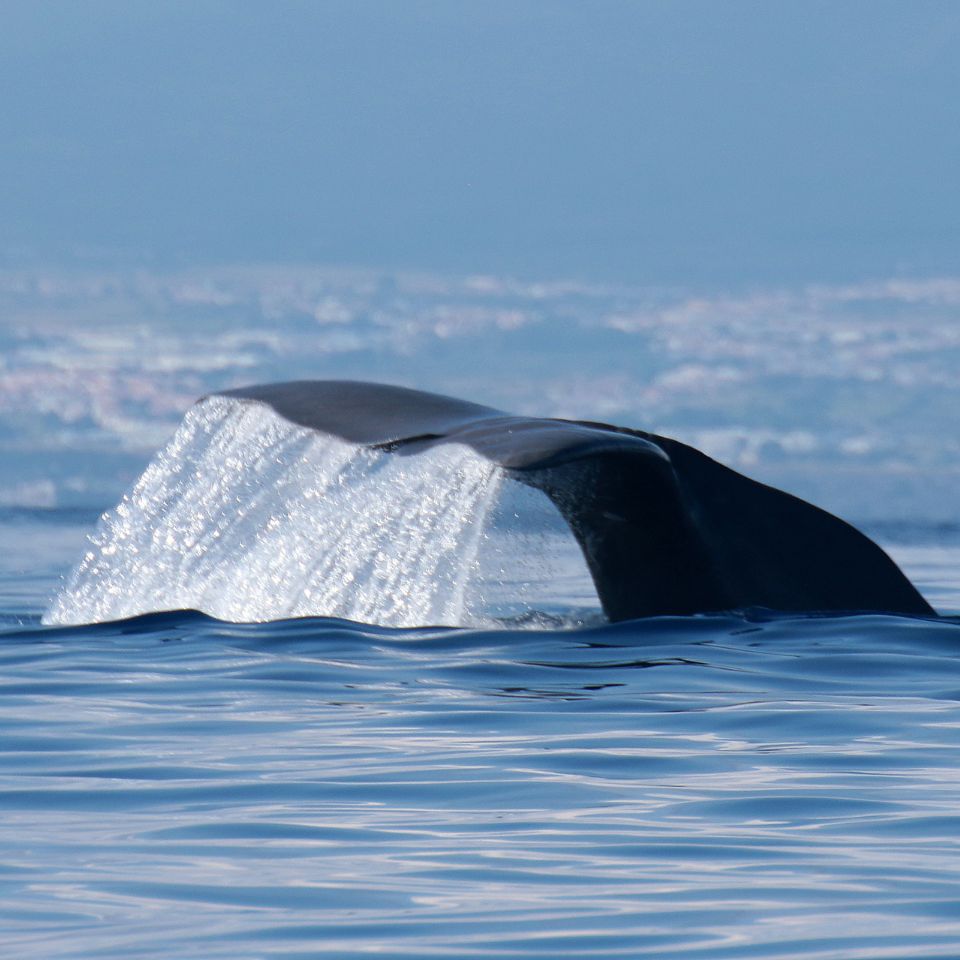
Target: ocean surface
[[177, 786], [536, 782]]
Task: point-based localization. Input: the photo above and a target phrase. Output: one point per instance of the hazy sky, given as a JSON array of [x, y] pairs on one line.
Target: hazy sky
[[677, 141]]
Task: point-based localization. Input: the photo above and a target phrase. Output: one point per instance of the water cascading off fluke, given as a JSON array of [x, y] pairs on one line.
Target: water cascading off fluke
[[248, 517]]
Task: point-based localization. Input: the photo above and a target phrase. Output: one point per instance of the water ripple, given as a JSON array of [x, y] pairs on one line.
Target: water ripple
[[712, 787]]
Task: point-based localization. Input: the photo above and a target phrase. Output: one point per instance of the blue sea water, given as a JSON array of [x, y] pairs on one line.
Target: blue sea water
[[713, 787]]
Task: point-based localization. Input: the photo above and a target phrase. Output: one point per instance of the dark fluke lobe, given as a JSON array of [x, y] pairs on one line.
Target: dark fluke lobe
[[664, 529]]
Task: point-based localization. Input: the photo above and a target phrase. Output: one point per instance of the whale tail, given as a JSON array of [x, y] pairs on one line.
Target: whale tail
[[367, 501]]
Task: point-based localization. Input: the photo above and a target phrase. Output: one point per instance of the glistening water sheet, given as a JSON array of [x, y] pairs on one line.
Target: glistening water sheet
[[245, 516]]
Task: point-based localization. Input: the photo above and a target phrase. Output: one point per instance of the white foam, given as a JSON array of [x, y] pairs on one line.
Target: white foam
[[248, 517]]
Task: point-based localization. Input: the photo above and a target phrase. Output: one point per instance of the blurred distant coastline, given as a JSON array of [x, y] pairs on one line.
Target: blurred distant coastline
[[843, 393]]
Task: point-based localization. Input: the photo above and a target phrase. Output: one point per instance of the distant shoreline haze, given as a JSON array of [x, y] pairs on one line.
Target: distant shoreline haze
[[843, 393]]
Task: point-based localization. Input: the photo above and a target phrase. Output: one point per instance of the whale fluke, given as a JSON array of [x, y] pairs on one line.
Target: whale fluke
[[387, 505], [664, 529]]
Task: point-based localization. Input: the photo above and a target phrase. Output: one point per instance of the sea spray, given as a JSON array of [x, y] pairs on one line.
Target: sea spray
[[248, 517]]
